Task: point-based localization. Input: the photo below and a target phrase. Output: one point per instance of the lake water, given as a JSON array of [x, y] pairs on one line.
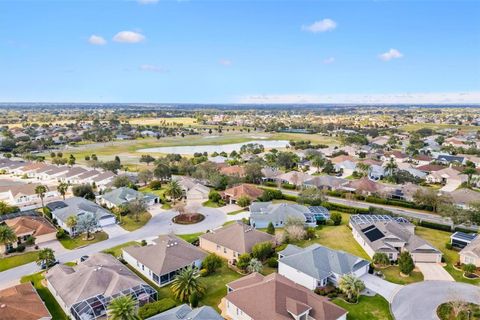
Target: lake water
[[210, 148]]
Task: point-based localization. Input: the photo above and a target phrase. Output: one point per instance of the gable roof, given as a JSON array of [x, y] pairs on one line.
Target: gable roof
[[473, 248], [279, 298], [167, 254], [22, 302], [238, 237], [124, 195], [364, 184], [269, 211], [101, 274], [326, 181], [320, 262]]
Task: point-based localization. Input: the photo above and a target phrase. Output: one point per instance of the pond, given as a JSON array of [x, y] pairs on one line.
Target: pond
[[211, 148]]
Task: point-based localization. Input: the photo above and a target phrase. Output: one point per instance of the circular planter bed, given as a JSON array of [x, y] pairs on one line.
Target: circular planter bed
[[470, 275], [190, 218]]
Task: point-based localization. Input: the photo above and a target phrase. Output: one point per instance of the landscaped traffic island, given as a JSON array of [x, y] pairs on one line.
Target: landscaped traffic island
[[188, 218], [458, 310]]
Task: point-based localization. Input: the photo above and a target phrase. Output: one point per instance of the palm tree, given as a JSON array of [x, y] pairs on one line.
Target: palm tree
[[391, 166], [318, 162], [469, 172], [186, 283], [71, 222], [40, 191], [62, 189], [351, 286], [123, 308], [46, 256], [363, 168], [7, 235], [173, 190]]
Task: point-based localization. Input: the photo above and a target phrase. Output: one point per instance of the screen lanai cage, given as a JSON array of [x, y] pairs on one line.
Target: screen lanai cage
[[96, 307]]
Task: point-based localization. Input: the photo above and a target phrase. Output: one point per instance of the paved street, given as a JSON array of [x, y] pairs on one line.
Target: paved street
[[159, 224], [420, 300]]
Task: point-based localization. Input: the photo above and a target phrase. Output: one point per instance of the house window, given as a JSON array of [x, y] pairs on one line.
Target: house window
[[218, 247], [469, 260], [224, 250]]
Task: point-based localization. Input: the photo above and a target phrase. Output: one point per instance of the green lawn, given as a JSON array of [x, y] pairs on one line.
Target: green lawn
[[117, 251], [338, 238], [129, 223], [190, 237], [52, 305], [237, 212], [368, 308], [15, 261], [392, 274], [211, 204], [438, 239], [215, 285], [79, 241]]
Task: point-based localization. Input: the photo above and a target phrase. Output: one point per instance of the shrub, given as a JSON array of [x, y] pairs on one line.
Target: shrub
[[155, 185], [214, 196], [469, 268], [405, 263], [310, 233], [262, 250], [288, 186], [203, 273], [290, 197], [437, 226], [61, 234], [243, 261], [244, 201], [381, 259], [448, 245], [269, 195], [270, 184], [272, 262], [211, 263], [20, 248], [150, 309], [30, 241], [336, 218], [143, 243], [270, 228]]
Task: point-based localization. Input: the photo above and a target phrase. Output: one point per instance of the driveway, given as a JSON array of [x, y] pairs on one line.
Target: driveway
[[55, 245], [230, 208], [433, 271], [382, 287], [114, 230], [421, 300]]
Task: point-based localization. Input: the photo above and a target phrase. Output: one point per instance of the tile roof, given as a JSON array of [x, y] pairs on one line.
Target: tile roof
[[37, 226], [22, 302], [244, 189]]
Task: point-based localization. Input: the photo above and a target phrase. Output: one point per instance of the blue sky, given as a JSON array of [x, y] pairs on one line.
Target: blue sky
[[239, 51]]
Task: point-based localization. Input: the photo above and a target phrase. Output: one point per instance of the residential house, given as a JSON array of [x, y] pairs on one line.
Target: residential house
[[192, 189], [393, 237], [364, 186], [103, 180], [460, 239], [234, 171], [23, 194], [449, 177], [86, 177], [124, 195], [231, 195], [464, 197], [22, 302], [325, 182], [447, 159], [376, 172], [77, 206], [293, 177], [233, 240], [396, 155], [71, 174], [31, 226], [346, 168], [257, 297], [161, 259], [270, 174], [84, 291], [316, 266], [262, 213], [471, 253], [185, 312]]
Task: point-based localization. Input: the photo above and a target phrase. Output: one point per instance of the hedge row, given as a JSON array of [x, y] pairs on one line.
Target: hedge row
[[437, 226], [150, 309], [398, 203], [344, 208]]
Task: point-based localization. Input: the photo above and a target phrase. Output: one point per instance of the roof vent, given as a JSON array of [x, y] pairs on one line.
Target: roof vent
[[3, 306]]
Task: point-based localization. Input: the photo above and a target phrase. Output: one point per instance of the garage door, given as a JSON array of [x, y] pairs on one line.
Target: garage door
[[426, 257], [106, 221]]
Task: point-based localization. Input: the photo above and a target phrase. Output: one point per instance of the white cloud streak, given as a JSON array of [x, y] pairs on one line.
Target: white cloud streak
[[152, 68], [97, 40], [128, 37], [391, 54], [320, 26], [329, 60], [147, 1], [225, 62]]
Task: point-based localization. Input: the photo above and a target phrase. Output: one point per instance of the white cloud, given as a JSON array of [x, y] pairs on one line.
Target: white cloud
[[128, 37], [152, 68], [390, 54], [321, 26], [225, 62], [329, 60], [97, 40], [147, 1], [380, 98]]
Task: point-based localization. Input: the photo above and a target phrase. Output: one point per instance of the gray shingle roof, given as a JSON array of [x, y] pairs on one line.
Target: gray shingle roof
[[279, 212], [320, 262], [76, 206], [124, 195]]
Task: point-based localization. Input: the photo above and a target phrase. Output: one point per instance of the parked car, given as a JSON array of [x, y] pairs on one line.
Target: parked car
[[83, 258], [44, 266]]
